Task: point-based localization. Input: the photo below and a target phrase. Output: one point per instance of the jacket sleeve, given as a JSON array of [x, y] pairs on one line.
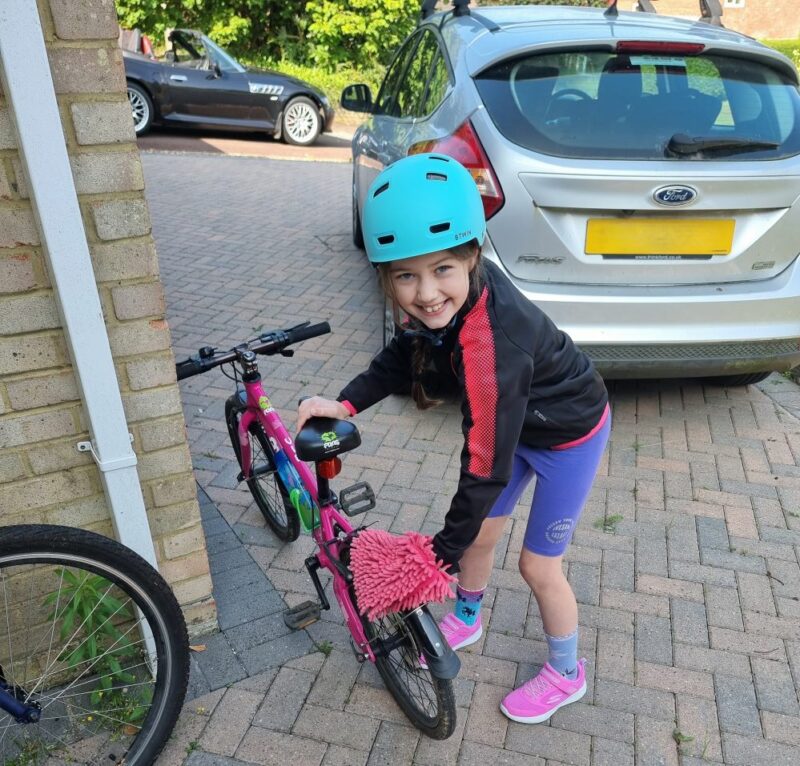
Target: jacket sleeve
[[388, 373], [496, 377]]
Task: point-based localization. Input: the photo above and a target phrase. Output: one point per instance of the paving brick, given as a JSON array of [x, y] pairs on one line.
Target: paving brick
[[698, 719], [749, 751], [775, 689], [653, 639], [486, 724], [654, 742], [336, 727], [394, 744], [230, 722], [608, 752], [335, 681], [689, 622], [595, 721], [617, 570], [736, 705], [631, 699], [615, 656], [781, 728], [475, 754], [670, 679], [336, 755], [712, 533], [282, 704], [755, 593], [272, 748], [663, 586], [549, 742]]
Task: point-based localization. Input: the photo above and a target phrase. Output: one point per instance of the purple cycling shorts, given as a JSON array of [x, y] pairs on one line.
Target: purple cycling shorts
[[564, 477]]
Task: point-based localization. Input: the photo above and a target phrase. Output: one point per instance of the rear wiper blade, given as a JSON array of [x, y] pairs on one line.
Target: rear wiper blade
[[682, 145]]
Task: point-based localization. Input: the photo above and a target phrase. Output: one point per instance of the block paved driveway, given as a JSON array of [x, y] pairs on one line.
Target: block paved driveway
[[688, 598]]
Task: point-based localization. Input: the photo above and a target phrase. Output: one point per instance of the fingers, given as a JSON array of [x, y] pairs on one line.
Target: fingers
[[317, 406]]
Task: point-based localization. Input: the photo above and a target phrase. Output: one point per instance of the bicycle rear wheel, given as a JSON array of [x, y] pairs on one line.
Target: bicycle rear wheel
[[266, 487], [429, 702], [92, 643]]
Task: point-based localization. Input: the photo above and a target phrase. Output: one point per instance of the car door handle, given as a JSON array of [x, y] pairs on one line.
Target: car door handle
[[178, 77]]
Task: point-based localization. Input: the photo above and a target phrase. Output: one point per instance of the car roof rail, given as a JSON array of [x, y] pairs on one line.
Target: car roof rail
[[428, 8], [645, 6], [711, 12], [611, 12], [460, 8]]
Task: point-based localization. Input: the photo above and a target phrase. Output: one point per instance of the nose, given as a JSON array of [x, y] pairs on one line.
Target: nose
[[427, 290]]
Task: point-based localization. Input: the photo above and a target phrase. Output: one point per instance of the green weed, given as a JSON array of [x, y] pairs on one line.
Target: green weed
[[609, 523]]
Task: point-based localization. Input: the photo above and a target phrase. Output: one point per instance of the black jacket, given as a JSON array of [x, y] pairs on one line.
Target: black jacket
[[520, 379]]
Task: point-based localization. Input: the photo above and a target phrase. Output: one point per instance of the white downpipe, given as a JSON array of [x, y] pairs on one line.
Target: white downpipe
[[29, 91]]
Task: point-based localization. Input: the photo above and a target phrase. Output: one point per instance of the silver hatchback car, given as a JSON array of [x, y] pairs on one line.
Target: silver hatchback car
[[640, 176]]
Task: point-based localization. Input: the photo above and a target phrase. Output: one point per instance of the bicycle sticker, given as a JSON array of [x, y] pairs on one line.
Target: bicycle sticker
[[273, 444], [329, 440], [265, 404]]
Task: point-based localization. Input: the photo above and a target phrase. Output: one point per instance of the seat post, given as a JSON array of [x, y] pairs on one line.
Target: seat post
[[323, 487]]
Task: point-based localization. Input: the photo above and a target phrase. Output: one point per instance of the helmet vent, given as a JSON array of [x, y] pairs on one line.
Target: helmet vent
[[435, 176], [380, 190], [386, 239], [438, 228]]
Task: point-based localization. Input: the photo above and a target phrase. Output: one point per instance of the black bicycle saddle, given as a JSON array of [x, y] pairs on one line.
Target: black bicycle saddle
[[321, 438]]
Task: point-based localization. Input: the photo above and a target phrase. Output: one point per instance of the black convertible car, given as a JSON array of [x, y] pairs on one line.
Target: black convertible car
[[198, 84]]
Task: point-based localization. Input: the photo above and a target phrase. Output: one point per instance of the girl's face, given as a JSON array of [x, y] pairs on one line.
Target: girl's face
[[433, 287]]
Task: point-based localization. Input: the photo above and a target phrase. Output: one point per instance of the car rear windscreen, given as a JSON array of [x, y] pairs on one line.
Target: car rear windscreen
[[597, 104]]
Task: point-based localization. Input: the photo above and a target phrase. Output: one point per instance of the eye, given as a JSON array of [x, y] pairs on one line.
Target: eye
[[403, 276], [445, 267]]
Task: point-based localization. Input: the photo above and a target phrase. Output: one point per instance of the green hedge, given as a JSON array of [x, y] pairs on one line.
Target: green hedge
[[330, 83], [790, 48]]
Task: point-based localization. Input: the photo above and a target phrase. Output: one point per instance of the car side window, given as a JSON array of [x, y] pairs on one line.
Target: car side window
[[386, 102], [438, 83], [412, 89]]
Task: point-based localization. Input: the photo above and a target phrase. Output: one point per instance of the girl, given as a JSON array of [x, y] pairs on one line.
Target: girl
[[532, 404]]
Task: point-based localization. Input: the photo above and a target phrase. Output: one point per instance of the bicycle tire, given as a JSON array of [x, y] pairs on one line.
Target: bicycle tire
[[266, 487], [428, 702], [97, 713]]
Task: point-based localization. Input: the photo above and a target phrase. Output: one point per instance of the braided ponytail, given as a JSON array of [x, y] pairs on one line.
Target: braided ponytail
[[421, 348]]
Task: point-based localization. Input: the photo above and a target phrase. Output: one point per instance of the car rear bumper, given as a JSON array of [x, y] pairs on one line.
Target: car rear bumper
[[688, 330]]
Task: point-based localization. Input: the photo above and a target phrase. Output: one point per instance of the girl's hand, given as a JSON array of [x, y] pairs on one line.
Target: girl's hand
[[316, 406]]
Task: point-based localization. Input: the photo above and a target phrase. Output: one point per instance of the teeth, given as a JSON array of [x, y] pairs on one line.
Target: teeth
[[433, 309]]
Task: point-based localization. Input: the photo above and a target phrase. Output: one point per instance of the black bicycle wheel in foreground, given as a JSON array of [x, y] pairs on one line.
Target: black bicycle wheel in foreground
[[92, 643]]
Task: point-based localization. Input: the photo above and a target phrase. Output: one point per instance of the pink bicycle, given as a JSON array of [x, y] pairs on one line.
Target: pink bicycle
[[290, 495]]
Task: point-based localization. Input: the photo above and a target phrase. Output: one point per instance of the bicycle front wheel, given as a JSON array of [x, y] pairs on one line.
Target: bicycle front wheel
[[429, 702], [93, 647], [266, 487]]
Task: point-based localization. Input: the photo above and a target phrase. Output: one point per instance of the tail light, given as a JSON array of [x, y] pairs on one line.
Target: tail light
[[664, 48], [330, 468], [464, 146]]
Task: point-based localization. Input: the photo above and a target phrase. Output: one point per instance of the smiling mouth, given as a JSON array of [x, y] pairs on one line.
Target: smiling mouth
[[433, 309]]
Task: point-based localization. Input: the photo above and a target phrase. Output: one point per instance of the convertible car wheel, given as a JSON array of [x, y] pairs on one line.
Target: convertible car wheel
[[301, 122], [141, 107]]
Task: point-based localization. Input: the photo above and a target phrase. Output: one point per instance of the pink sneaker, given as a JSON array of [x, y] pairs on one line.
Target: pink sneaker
[[457, 633], [536, 700]]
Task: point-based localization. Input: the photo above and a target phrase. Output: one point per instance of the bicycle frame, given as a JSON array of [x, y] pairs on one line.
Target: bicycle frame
[[260, 409]]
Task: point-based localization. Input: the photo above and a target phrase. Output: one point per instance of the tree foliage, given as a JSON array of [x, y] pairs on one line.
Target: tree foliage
[[274, 28], [360, 32]]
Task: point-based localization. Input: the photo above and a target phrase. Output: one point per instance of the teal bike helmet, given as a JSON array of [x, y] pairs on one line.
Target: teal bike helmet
[[419, 205]]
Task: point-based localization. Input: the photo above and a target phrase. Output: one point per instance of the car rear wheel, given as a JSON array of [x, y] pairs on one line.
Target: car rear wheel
[[301, 122], [141, 108]]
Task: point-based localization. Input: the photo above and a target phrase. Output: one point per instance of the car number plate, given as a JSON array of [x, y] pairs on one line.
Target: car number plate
[[659, 236]]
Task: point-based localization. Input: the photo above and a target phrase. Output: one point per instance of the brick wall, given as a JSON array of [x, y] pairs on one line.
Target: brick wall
[[43, 478], [763, 19]]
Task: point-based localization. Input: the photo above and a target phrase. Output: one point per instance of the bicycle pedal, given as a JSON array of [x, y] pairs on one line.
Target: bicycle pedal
[[302, 615], [357, 498]]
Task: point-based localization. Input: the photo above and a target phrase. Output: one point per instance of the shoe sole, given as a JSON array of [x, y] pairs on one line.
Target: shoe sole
[[544, 716], [466, 642]]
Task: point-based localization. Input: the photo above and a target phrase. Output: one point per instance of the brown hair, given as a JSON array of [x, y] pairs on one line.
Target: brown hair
[[420, 346]]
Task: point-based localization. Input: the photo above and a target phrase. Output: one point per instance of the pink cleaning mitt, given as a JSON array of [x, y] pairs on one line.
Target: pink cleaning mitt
[[392, 573]]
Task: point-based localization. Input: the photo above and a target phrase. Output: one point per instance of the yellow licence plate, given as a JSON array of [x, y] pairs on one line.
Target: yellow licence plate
[[658, 236]]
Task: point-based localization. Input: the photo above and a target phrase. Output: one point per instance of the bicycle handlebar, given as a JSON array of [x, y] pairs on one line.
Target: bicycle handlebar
[[273, 342]]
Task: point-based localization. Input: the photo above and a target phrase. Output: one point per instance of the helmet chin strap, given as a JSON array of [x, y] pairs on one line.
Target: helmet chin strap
[[436, 337]]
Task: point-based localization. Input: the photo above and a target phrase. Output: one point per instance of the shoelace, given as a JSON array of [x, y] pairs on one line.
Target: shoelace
[[537, 686]]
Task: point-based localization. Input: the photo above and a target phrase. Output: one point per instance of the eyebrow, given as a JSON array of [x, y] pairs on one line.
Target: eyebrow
[[395, 269]]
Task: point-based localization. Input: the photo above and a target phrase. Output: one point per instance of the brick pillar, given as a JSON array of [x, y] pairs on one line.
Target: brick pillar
[[43, 478]]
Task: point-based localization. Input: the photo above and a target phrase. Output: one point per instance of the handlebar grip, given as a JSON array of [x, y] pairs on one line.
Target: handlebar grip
[[304, 333], [188, 367]]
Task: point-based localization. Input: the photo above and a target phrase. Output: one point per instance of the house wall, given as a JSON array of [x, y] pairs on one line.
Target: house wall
[[763, 19], [43, 478]]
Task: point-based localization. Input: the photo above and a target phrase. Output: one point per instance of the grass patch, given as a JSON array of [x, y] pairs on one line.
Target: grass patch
[[609, 523]]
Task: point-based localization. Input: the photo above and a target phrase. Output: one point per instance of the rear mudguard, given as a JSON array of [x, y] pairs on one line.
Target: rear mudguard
[[441, 659]]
